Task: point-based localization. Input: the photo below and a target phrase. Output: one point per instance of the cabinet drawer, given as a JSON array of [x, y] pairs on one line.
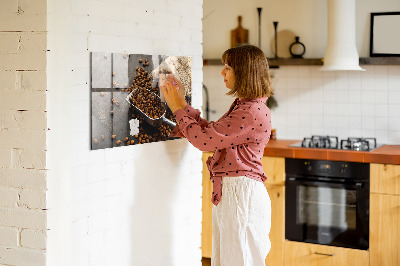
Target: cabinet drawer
[[385, 178], [274, 168], [304, 254]]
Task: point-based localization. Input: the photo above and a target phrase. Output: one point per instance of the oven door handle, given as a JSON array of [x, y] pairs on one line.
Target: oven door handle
[[357, 185]]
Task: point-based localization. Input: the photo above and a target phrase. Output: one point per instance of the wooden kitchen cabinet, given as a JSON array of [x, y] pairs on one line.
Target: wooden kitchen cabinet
[[384, 236], [385, 178], [206, 225], [274, 168], [305, 254], [277, 233], [385, 215]]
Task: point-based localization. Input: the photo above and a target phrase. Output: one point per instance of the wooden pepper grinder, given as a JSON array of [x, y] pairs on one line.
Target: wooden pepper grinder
[[239, 35]]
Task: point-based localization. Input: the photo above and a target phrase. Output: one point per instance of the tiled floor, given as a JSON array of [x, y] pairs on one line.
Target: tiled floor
[[206, 261]]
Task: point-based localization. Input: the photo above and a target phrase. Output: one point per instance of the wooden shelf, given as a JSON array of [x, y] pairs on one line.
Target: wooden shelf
[[274, 63], [380, 61]]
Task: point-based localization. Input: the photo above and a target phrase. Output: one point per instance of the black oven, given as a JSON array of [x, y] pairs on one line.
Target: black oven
[[327, 202]]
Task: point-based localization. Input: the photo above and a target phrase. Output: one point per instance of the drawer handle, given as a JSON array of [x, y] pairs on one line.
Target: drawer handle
[[324, 254]]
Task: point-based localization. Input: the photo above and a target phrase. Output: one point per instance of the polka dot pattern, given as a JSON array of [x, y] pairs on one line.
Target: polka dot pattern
[[238, 139]]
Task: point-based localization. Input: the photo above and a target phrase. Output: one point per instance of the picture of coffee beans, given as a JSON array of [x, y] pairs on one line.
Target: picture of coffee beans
[[137, 75], [149, 103]]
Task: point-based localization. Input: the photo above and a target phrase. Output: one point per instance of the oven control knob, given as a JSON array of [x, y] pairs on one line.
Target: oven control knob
[[308, 166], [343, 168]]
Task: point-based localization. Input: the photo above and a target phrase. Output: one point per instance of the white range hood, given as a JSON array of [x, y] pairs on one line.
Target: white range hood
[[341, 51]]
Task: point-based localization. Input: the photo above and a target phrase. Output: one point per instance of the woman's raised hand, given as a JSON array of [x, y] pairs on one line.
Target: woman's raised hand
[[175, 97]]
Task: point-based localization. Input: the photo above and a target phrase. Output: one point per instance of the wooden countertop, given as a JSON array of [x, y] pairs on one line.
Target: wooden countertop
[[389, 154]]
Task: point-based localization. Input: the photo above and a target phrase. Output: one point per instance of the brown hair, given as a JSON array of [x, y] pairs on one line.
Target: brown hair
[[250, 66]]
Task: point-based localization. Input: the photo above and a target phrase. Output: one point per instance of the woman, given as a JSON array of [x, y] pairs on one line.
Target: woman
[[242, 208]]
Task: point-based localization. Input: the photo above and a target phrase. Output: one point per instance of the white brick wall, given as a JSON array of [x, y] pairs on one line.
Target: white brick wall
[[23, 133], [136, 205]]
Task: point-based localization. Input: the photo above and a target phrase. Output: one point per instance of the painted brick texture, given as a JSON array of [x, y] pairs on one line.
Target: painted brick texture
[[23, 126], [135, 205]]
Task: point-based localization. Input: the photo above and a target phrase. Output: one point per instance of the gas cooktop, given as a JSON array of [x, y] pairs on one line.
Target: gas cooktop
[[332, 142]]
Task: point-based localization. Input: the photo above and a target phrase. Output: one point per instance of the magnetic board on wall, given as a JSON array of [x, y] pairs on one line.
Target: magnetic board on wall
[[121, 84]]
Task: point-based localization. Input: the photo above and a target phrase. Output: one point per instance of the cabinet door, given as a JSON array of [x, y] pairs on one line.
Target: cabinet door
[[304, 254], [206, 232], [274, 168], [385, 178], [384, 230], [277, 233]]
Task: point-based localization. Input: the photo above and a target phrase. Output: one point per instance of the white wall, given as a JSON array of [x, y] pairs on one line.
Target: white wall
[[344, 103], [135, 205], [305, 18], [23, 133]]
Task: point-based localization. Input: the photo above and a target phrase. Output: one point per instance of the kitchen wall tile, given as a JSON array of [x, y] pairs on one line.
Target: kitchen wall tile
[[317, 95], [394, 137], [342, 80], [316, 82], [342, 109], [354, 80], [317, 131], [342, 122], [368, 122], [381, 97], [367, 96], [315, 72], [304, 72], [380, 71], [355, 122], [328, 74], [355, 96], [317, 121], [381, 110], [394, 97], [393, 71], [303, 82], [380, 84], [329, 93], [363, 101], [381, 136], [329, 109], [342, 133], [355, 109], [355, 132], [367, 133], [329, 122], [382, 123], [394, 82], [292, 82], [367, 110], [394, 123], [367, 81], [291, 71], [394, 110], [342, 96], [317, 108]]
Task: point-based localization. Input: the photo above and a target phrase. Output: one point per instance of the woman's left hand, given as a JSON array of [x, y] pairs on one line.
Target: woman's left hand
[[171, 94]]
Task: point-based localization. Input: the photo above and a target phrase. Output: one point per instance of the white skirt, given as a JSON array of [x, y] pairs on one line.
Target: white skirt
[[241, 223]]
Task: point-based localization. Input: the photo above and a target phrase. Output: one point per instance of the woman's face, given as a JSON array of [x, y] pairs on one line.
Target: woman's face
[[229, 76]]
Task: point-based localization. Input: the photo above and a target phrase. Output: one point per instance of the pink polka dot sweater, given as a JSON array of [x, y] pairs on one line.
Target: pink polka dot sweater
[[238, 139]]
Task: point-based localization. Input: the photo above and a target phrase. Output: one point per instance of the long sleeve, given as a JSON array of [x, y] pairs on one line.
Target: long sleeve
[[231, 130], [193, 113]]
